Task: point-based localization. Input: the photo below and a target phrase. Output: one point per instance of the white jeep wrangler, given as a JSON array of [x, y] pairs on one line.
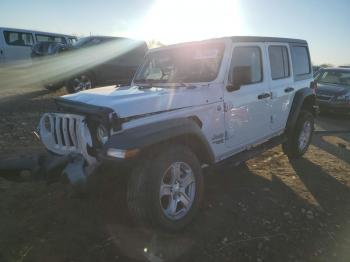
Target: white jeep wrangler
[[190, 105]]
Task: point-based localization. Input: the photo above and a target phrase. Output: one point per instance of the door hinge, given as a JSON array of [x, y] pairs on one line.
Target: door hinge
[[226, 107]]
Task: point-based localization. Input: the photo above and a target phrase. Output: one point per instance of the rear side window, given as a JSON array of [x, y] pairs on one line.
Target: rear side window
[[247, 63], [301, 62], [18, 38], [279, 62], [50, 38]]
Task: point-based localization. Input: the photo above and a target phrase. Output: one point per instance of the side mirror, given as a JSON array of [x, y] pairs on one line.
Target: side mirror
[[241, 75], [231, 87]]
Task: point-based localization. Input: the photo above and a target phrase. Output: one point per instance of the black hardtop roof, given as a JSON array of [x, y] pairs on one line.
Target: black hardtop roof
[[266, 39]]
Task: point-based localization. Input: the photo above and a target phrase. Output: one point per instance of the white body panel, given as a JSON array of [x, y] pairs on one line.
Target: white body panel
[[231, 121]]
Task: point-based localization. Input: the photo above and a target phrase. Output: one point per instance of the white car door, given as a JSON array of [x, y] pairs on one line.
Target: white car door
[[247, 108], [18, 46], [281, 83]]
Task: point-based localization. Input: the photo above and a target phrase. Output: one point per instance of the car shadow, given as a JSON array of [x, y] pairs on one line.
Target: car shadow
[[340, 151], [325, 188], [244, 216]]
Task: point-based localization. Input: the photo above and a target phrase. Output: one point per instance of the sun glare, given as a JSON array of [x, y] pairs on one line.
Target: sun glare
[[185, 20]]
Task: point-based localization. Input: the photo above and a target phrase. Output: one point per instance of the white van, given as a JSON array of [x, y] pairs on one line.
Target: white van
[[16, 44]]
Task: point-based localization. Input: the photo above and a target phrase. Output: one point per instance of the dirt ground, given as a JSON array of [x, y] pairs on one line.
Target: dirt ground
[[269, 209]]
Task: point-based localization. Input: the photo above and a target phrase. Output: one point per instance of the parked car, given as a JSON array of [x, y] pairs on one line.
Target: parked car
[[16, 44], [118, 69], [189, 105], [333, 90]]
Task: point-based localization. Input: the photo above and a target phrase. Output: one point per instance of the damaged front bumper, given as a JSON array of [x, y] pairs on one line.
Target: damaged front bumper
[[50, 167]]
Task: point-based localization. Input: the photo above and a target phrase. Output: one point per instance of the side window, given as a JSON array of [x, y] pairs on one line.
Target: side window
[[279, 62], [246, 65], [18, 38], [49, 38], [301, 62]]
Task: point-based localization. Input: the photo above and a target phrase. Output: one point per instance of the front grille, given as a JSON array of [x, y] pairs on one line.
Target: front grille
[[65, 133]]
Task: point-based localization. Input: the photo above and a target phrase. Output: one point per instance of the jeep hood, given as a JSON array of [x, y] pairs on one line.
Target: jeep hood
[[132, 101], [331, 90]]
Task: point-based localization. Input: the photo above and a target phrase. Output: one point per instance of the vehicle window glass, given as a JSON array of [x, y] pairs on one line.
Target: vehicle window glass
[[335, 77], [134, 57], [301, 63], [246, 61], [187, 64], [71, 41], [49, 38], [279, 62], [18, 38]]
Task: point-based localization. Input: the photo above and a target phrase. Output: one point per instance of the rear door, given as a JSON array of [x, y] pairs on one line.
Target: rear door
[[18, 46], [247, 110], [281, 83]]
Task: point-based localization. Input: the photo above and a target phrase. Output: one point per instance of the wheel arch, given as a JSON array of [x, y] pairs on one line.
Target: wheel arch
[[304, 99], [148, 138]]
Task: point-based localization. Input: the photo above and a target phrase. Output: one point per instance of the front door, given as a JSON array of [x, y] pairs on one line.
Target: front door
[[247, 109]]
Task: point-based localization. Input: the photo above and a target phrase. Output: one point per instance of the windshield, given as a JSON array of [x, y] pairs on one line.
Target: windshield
[[335, 77], [187, 64]]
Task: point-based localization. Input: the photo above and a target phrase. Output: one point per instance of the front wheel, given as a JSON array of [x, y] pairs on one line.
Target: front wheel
[[53, 87], [166, 189], [300, 137], [80, 83]]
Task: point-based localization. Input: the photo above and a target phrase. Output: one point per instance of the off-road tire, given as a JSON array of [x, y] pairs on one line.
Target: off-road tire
[[144, 187], [53, 87], [70, 84], [291, 148]]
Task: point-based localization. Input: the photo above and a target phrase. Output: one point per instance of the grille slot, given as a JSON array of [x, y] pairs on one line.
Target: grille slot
[[66, 133], [64, 130]]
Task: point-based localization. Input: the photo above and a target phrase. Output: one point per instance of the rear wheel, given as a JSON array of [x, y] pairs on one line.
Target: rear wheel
[[80, 83], [301, 136], [166, 189], [53, 87]]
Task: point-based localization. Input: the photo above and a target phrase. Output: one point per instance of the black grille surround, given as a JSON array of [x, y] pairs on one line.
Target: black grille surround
[[95, 115]]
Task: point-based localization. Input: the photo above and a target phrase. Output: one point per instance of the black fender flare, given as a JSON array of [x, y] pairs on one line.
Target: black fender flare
[[144, 136], [300, 97]]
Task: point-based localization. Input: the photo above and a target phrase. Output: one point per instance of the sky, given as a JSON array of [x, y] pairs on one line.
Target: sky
[[324, 24]]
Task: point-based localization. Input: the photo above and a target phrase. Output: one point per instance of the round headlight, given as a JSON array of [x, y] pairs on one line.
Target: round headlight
[[102, 134]]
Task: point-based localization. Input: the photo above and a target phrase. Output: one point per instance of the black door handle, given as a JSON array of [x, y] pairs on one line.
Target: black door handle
[[289, 89], [264, 95], [1, 52]]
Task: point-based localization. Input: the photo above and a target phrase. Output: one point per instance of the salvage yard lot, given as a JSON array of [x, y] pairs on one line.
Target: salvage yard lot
[[269, 209]]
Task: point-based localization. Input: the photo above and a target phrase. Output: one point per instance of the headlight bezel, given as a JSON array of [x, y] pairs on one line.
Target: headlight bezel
[[102, 133]]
